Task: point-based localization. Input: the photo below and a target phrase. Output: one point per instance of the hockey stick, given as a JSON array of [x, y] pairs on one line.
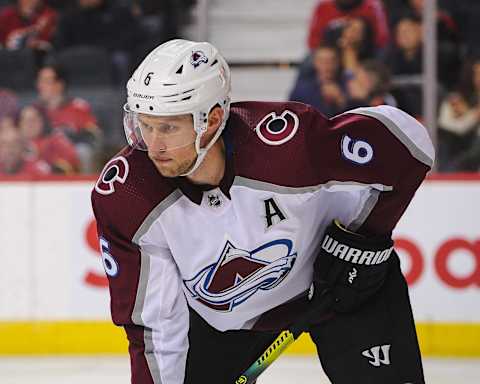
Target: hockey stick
[[322, 303]]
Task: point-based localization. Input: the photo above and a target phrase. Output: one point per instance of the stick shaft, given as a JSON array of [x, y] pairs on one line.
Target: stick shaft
[[283, 341], [274, 350]]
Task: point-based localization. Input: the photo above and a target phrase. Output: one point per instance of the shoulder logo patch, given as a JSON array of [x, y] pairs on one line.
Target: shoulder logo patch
[[277, 130], [116, 170]]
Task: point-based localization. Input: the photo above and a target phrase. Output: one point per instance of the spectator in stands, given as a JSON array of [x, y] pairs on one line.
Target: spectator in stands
[[8, 109], [447, 27], [8, 104], [72, 116], [394, 9], [334, 13], [405, 57], [405, 60], [49, 145], [448, 35], [14, 158], [470, 81], [355, 41], [103, 24], [447, 22], [458, 135], [459, 123], [27, 24], [7, 122], [370, 86], [325, 89]]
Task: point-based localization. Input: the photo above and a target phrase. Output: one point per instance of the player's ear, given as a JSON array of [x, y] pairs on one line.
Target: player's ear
[[215, 119]]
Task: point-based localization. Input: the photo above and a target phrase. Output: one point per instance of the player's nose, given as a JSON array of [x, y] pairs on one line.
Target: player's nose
[[157, 143]]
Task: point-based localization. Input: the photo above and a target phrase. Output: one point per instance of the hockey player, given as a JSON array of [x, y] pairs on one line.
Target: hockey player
[[216, 219]]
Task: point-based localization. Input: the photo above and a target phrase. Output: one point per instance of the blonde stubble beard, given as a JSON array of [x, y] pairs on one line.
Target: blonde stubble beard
[[176, 169]]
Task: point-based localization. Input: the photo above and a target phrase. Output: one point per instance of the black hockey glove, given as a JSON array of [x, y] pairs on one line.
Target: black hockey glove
[[352, 266]]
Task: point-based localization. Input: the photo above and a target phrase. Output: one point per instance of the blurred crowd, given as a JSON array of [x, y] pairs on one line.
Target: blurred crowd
[[369, 52], [63, 68], [64, 64]]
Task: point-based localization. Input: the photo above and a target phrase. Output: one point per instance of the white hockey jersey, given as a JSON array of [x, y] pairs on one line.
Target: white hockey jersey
[[240, 254]]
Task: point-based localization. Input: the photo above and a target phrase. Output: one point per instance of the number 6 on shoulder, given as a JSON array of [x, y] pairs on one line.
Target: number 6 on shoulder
[[358, 151]]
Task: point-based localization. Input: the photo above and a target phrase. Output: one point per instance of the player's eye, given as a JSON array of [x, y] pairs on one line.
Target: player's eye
[[146, 127], [168, 129]]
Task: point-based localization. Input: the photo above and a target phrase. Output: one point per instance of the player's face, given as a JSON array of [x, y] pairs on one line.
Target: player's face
[[170, 142]]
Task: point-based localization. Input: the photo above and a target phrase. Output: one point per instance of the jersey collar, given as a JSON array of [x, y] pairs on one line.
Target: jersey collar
[[195, 192]]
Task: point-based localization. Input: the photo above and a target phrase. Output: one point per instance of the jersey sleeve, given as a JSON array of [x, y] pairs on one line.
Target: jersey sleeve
[[383, 147], [146, 299]]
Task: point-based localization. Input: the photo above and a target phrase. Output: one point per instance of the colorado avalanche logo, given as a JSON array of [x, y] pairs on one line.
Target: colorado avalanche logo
[[277, 130], [197, 58], [116, 170], [239, 274]]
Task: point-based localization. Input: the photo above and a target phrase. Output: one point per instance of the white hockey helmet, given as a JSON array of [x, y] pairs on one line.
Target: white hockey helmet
[[178, 77]]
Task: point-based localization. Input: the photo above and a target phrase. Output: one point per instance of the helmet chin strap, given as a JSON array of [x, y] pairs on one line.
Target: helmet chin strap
[[202, 152]]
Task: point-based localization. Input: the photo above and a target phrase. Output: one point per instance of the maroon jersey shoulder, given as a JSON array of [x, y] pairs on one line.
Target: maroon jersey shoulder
[[293, 144], [370, 147], [270, 141], [128, 189]]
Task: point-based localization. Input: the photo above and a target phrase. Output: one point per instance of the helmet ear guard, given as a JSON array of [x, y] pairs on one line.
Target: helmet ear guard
[[179, 77]]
